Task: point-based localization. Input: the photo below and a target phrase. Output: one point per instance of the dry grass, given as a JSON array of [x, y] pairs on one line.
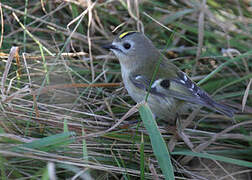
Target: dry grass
[[65, 113]]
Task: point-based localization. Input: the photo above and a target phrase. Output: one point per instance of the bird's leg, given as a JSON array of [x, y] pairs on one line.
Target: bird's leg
[[173, 129], [178, 133]]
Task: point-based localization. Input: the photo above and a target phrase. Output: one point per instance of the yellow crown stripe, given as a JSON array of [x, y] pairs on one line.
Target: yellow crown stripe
[[125, 33]]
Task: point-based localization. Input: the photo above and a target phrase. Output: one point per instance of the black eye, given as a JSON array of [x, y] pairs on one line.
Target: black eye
[[126, 45]]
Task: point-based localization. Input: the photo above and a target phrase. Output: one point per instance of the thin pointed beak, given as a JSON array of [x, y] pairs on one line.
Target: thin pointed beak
[[109, 46]]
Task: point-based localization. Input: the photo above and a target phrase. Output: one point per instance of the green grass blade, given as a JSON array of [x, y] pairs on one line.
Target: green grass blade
[[75, 13], [158, 144], [142, 158], [84, 146], [235, 81], [44, 64], [2, 168], [220, 67], [65, 126], [175, 16], [50, 142], [45, 175], [215, 157]]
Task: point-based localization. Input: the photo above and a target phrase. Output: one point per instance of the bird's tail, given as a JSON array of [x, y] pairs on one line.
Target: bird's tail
[[228, 111]]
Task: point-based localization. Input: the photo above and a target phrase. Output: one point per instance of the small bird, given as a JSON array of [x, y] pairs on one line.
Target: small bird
[[146, 71]]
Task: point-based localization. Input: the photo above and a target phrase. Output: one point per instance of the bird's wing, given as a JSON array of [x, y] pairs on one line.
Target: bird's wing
[[180, 87]]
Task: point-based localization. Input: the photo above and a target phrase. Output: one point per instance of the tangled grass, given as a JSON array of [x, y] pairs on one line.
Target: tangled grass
[[65, 113]]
